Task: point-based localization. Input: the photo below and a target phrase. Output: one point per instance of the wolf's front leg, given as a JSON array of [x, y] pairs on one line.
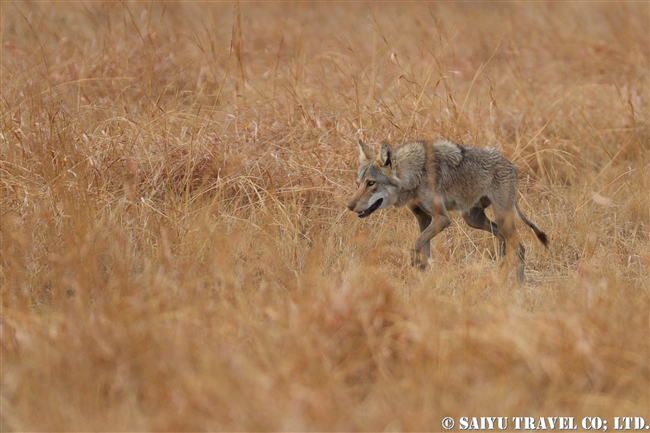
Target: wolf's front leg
[[423, 242], [424, 221], [419, 259]]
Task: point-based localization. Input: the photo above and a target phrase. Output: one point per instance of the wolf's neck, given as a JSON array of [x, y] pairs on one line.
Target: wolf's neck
[[411, 167]]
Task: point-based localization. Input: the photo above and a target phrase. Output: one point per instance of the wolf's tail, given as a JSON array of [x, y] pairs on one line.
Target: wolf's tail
[[538, 232]]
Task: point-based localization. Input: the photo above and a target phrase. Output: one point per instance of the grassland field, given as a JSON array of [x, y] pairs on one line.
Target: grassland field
[[176, 253]]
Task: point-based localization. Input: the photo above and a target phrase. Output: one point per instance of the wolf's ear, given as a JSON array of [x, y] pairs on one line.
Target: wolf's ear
[[386, 154], [365, 153]]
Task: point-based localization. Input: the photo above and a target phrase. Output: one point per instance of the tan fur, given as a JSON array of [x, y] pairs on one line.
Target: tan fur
[[432, 178]]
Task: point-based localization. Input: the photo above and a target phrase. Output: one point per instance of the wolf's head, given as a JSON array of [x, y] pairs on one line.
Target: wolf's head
[[376, 180]]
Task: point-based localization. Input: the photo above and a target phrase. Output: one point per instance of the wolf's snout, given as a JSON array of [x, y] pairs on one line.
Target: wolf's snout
[[352, 205]]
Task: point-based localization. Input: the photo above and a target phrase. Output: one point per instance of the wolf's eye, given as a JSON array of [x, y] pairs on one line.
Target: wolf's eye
[[370, 183]]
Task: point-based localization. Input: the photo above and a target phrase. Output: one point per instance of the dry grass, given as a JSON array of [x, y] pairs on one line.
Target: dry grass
[[176, 253]]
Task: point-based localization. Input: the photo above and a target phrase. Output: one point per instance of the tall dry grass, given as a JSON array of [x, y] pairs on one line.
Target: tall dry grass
[[176, 254]]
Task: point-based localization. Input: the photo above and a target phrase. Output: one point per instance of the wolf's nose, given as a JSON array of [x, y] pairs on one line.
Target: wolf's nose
[[352, 205]]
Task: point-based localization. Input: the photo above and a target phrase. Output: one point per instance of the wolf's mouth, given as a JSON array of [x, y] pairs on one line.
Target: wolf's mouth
[[371, 209]]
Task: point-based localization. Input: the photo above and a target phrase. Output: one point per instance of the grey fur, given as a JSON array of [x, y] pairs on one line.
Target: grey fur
[[432, 178]]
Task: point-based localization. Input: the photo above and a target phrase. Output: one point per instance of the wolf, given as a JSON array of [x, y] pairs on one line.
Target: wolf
[[432, 178]]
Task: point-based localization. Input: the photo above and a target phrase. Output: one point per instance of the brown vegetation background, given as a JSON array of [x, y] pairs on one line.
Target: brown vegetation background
[[176, 251]]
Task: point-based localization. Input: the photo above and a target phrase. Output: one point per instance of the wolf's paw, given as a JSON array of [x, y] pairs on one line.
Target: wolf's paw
[[418, 262]]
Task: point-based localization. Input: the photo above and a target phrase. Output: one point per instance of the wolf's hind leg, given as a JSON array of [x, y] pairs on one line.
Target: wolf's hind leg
[[476, 218], [506, 222]]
